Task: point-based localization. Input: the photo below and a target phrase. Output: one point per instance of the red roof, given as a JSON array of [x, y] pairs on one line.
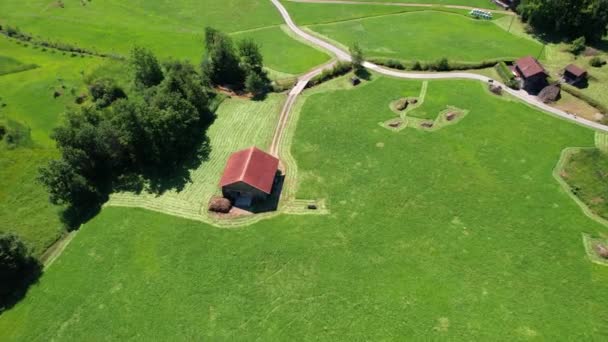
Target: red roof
[[529, 66], [575, 70], [251, 166]]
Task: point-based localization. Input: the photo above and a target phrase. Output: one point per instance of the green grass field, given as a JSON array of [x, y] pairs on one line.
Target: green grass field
[[170, 29], [428, 36], [29, 99], [586, 172], [458, 234]]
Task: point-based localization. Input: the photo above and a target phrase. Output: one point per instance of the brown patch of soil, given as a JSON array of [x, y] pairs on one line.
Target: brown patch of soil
[[427, 124], [451, 116], [563, 174], [601, 250], [589, 51], [597, 200], [232, 93], [395, 124]]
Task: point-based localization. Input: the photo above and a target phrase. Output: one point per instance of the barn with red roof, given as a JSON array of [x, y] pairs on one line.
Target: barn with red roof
[[249, 176], [532, 74]]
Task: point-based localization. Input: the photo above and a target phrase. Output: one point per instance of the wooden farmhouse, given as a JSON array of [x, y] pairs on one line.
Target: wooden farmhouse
[[575, 75], [249, 176], [532, 74]]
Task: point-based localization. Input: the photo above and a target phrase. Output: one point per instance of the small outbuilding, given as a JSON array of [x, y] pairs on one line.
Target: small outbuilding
[[532, 74], [575, 75], [249, 176]]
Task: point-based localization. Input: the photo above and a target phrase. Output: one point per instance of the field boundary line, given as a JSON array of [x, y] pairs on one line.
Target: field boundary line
[[56, 249], [564, 157]]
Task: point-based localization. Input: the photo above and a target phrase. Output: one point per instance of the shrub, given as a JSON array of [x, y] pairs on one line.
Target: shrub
[[416, 66], [577, 46], [284, 84], [2, 131], [596, 62], [105, 91], [17, 268], [394, 64], [506, 75], [339, 69], [440, 65]]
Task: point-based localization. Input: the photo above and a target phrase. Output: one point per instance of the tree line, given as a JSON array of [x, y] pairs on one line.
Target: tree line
[[567, 18]]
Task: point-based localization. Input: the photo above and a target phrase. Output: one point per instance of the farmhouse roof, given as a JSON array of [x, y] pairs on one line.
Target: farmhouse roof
[[251, 166], [575, 70], [528, 66]]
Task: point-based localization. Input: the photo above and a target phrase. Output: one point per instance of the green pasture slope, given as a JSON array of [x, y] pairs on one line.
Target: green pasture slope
[[459, 234], [428, 36], [29, 99], [170, 29]]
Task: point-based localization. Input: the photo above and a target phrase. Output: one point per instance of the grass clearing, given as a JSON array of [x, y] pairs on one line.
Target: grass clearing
[[471, 3], [10, 65], [431, 235], [586, 172], [170, 29], [429, 36]]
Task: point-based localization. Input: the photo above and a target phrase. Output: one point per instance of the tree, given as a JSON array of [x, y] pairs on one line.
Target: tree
[[567, 18], [251, 58], [256, 84], [577, 46], [221, 63], [17, 267], [357, 57], [105, 91], [148, 72]]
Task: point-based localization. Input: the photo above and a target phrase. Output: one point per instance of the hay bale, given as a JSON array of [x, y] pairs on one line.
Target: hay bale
[[220, 205], [427, 124], [550, 93], [601, 250], [451, 116], [496, 89], [401, 104]]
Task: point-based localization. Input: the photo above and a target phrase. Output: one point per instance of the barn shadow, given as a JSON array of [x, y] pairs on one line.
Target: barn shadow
[[272, 202]]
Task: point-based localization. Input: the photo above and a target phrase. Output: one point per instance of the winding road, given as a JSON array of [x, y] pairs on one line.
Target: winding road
[[344, 56]]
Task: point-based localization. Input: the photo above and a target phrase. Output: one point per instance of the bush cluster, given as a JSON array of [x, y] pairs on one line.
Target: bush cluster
[[597, 62], [506, 75], [118, 141], [339, 69], [18, 268], [442, 64]]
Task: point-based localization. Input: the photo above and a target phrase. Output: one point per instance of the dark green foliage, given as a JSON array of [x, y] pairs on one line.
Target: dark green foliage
[[221, 62], [252, 63], [2, 131], [124, 141], [17, 269], [440, 65], [416, 66], [148, 72], [394, 64], [339, 69], [596, 62], [577, 46], [357, 57], [105, 91], [567, 18], [506, 75]]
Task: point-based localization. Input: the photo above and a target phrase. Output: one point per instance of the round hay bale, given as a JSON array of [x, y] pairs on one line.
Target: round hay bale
[[602, 250], [220, 205], [451, 116]]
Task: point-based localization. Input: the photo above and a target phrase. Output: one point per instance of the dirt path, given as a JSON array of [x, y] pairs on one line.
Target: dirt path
[[400, 4], [291, 99], [343, 55]]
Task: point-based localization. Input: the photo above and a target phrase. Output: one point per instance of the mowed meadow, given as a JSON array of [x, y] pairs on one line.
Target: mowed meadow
[[429, 36], [170, 29], [459, 234]]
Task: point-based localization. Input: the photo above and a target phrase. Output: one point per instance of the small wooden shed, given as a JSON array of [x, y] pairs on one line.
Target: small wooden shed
[[575, 75], [532, 74], [249, 176]]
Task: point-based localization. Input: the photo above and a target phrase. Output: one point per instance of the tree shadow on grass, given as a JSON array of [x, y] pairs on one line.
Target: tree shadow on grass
[[363, 74], [9, 297]]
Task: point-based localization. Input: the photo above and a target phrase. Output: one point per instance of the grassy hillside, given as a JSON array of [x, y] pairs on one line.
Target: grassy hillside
[[27, 98], [428, 36], [472, 3], [170, 29], [432, 235]]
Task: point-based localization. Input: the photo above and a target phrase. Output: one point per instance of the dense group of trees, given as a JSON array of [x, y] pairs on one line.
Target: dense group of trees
[[118, 140], [239, 68], [17, 269], [567, 18]]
